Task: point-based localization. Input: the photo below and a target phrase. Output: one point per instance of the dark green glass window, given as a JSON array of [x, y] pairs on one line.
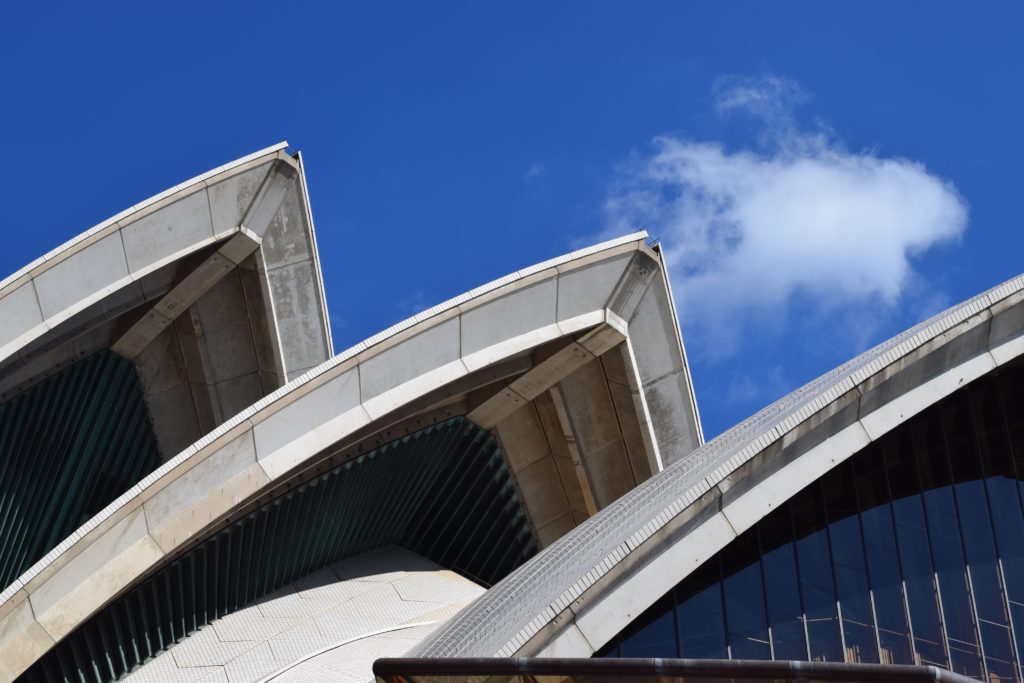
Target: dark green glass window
[[69, 445]]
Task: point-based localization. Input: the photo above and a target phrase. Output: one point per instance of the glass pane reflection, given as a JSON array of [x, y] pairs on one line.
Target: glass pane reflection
[[911, 552], [702, 615]]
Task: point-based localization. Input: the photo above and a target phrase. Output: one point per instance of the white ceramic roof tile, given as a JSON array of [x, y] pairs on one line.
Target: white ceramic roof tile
[[9, 592], [634, 517], [195, 448], [287, 626]]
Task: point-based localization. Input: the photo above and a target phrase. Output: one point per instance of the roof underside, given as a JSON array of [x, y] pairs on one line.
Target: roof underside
[[443, 492], [594, 327], [69, 446], [212, 289]]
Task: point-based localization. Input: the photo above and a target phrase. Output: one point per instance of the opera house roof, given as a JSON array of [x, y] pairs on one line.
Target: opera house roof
[[195, 486]]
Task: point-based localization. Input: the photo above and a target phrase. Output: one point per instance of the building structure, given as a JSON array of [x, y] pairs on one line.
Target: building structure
[[473, 434], [516, 472], [873, 516]]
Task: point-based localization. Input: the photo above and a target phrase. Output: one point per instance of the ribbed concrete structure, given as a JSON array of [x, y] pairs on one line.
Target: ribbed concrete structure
[[573, 369], [142, 334], [581, 592], [212, 289], [221, 498], [218, 497]]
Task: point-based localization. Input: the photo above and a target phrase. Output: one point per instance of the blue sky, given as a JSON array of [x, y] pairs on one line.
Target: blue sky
[[823, 174]]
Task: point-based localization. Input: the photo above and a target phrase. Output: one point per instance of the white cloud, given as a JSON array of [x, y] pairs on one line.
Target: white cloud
[[801, 217], [768, 97], [536, 169]]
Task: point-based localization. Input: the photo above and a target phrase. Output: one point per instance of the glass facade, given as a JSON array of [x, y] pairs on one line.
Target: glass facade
[[69, 445], [910, 552]]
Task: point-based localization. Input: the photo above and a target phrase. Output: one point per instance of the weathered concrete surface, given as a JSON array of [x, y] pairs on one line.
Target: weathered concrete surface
[[185, 293], [172, 514], [107, 565], [556, 368], [81, 279], [544, 489], [208, 364], [285, 438], [17, 629], [193, 285], [89, 330], [299, 421], [121, 250], [663, 374], [595, 430], [166, 235], [21, 307]]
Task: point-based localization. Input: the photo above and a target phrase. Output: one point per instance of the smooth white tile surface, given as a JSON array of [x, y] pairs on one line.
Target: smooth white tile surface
[[329, 625]]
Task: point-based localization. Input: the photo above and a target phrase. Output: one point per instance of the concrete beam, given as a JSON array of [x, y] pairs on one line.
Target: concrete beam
[[546, 374], [185, 293], [247, 240], [599, 434], [632, 411], [116, 253], [572, 445], [374, 379], [622, 567]]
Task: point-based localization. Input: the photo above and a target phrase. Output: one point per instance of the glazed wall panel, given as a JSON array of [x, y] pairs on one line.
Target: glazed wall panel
[[910, 552]]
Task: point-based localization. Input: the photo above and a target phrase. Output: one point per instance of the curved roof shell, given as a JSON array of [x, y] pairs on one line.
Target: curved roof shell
[[481, 349], [577, 594], [244, 197], [210, 293], [310, 631], [212, 289]]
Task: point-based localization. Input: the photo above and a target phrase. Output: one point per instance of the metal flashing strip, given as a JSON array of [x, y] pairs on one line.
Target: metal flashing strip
[[317, 269], [503, 619]]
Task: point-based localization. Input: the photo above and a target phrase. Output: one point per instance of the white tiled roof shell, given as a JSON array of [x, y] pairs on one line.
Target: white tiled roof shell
[[514, 610]]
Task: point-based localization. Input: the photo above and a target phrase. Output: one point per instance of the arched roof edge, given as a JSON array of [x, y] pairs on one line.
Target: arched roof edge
[[538, 607], [127, 213], [16, 597]]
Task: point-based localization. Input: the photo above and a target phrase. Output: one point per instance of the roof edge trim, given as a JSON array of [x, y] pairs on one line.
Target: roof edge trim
[[590, 551], [8, 592], [82, 236], [318, 269]]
